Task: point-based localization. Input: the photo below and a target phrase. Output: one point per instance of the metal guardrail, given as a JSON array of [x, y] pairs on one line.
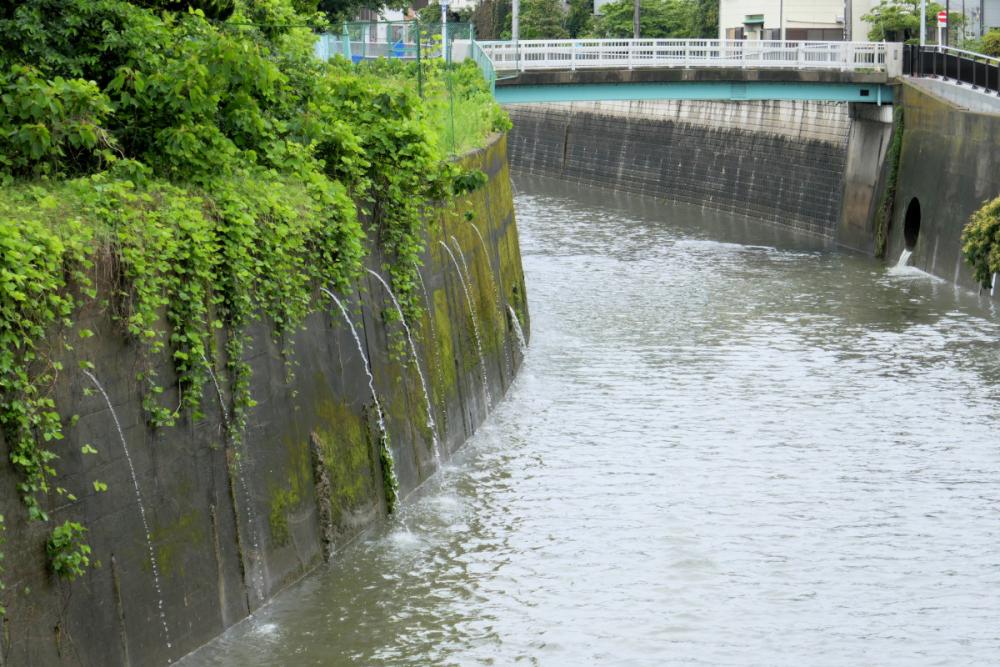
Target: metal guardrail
[[981, 72], [485, 65], [617, 53]]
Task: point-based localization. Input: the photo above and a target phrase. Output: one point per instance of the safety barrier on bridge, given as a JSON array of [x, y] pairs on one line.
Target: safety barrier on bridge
[[981, 72], [572, 54]]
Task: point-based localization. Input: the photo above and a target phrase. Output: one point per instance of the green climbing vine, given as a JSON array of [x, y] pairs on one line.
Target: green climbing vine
[[190, 175], [886, 205], [68, 555], [981, 242]]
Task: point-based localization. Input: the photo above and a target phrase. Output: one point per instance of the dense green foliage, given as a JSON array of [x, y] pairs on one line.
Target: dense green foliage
[[546, 19], [981, 242], [215, 172], [990, 43], [886, 205], [705, 21], [491, 19], [543, 19], [579, 18], [899, 21], [657, 18]]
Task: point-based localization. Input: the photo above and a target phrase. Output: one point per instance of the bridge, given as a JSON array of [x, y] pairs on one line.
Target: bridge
[[532, 71]]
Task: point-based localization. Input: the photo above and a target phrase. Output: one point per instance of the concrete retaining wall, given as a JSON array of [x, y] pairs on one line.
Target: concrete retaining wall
[[865, 174], [781, 162], [230, 526], [950, 163]]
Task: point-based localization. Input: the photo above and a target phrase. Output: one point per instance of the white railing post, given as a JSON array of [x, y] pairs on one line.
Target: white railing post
[[629, 53]]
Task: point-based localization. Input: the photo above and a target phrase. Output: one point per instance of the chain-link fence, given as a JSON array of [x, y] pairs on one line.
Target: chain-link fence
[[406, 40]]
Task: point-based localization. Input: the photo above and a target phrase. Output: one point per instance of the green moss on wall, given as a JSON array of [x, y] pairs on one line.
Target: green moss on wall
[[346, 446], [175, 540], [286, 496]]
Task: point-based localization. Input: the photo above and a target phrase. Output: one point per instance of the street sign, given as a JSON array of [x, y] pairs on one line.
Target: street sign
[[942, 19]]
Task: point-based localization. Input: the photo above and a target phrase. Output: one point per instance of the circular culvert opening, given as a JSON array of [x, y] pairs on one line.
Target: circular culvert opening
[[911, 224]]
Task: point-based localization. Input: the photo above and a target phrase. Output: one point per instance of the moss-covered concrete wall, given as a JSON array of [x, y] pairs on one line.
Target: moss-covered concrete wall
[[950, 164], [231, 525]]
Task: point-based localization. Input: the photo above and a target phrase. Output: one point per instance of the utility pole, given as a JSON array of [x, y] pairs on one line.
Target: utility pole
[[515, 28], [635, 19], [947, 27], [444, 31], [923, 22], [781, 19]]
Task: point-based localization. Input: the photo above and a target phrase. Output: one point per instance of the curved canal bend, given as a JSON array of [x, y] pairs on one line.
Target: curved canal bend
[[726, 446]]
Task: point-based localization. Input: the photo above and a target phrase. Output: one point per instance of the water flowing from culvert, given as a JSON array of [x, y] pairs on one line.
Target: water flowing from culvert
[[416, 362], [238, 454], [383, 434], [727, 446], [142, 509], [522, 342], [475, 323], [904, 258]]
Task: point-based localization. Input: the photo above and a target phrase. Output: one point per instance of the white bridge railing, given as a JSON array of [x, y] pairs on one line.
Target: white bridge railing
[[571, 54]]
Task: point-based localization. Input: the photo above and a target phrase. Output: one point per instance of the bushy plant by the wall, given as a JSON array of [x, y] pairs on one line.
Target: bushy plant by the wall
[[981, 242], [218, 167]]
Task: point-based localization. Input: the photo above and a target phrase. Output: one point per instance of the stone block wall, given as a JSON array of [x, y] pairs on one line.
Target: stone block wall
[[223, 527]]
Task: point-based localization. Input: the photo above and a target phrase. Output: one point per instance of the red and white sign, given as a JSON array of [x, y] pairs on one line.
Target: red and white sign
[[942, 19]]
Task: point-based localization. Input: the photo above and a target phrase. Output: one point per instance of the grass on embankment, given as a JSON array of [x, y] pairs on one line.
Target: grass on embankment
[[458, 104]]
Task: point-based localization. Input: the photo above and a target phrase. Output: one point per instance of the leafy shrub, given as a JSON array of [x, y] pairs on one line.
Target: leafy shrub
[[68, 555], [50, 127], [991, 43], [981, 242]]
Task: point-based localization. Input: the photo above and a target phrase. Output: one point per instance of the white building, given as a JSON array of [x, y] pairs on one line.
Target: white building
[[820, 20]]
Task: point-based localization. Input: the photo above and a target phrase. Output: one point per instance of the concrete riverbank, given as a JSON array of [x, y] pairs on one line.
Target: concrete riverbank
[[786, 163], [813, 167], [194, 533]]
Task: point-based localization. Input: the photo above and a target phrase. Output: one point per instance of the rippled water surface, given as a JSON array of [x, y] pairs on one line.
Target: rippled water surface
[[725, 447]]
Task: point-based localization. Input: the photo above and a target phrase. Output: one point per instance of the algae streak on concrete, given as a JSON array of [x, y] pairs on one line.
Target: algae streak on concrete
[[232, 525], [950, 165]]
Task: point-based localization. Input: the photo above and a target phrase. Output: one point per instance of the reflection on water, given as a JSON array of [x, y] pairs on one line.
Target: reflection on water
[[726, 446]]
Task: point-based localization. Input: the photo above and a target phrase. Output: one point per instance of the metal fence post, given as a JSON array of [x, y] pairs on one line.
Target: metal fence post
[[420, 66]]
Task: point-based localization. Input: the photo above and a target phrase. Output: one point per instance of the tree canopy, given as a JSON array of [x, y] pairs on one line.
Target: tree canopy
[[657, 18], [899, 20]]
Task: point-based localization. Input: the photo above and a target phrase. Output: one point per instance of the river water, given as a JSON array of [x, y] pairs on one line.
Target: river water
[[726, 446]]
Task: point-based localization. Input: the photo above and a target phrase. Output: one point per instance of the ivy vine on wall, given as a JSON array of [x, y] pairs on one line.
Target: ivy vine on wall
[[221, 172]]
